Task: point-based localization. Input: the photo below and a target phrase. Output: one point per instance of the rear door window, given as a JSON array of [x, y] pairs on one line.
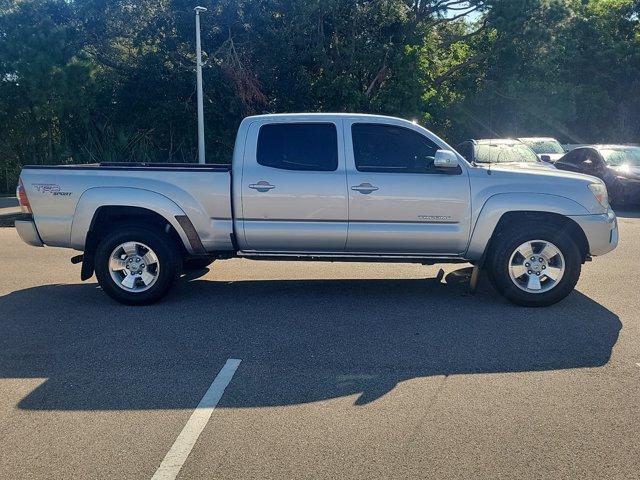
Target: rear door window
[[299, 146]]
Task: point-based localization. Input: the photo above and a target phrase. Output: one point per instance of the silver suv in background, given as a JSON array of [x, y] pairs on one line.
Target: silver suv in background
[[548, 149], [500, 151]]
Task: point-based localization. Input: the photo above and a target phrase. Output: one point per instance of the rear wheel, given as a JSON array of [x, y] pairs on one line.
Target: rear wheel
[[534, 265], [136, 265]]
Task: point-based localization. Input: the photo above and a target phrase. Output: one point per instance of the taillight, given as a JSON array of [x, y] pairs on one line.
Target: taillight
[[21, 194]]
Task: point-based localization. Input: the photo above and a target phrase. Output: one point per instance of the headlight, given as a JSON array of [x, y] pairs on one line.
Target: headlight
[[600, 192]]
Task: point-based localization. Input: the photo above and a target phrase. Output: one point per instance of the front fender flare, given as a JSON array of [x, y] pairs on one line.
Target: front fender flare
[[497, 205]]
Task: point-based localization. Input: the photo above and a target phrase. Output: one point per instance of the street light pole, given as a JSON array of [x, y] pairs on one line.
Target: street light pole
[[201, 158]]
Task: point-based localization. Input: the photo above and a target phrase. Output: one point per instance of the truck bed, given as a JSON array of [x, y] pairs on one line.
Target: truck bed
[[65, 198], [219, 167]]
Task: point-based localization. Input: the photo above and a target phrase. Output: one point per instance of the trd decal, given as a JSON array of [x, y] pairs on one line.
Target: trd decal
[[50, 189]]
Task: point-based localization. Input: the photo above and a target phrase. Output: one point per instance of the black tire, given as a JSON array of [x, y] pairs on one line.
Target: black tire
[[196, 263], [508, 241], [166, 253]]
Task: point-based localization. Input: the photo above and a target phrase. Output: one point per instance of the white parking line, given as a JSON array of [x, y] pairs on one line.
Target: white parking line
[[175, 458]]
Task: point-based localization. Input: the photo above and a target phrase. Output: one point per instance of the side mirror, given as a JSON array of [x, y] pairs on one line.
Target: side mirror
[[588, 166], [445, 159], [545, 158]]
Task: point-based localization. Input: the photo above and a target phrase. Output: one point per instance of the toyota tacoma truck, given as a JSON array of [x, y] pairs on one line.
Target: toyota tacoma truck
[[326, 187]]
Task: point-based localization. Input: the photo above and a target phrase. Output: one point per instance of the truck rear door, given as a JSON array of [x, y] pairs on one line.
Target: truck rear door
[[294, 195], [398, 202]]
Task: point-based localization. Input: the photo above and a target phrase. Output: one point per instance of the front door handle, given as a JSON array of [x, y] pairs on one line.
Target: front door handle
[[262, 186], [365, 188]]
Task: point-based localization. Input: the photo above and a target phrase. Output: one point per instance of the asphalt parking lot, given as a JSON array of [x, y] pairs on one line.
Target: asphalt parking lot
[[347, 371]]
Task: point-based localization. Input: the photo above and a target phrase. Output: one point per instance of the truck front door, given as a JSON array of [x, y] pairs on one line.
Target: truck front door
[[294, 194], [399, 203]]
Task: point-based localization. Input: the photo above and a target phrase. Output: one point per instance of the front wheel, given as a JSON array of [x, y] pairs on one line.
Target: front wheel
[[534, 266], [136, 265]]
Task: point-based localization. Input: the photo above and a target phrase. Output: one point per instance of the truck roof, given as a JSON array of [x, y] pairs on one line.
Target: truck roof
[[300, 115]]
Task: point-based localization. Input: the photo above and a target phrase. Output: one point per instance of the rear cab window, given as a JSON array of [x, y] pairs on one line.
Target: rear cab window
[[298, 146]]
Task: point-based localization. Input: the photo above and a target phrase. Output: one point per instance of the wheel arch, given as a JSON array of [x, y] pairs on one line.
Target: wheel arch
[[100, 209], [502, 211], [109, 202], [562, 222]]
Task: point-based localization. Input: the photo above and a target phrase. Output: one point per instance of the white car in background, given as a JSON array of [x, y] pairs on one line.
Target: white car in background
[[548, 149]]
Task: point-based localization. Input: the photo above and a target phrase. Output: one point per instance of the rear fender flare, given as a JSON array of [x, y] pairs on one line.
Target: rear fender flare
[[94, 198]]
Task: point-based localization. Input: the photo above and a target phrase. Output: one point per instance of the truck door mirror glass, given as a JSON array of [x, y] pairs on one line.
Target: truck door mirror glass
[[446, 159], [545, 158]]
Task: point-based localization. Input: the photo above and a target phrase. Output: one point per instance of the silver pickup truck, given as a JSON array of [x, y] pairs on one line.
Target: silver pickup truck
[[325, 187]]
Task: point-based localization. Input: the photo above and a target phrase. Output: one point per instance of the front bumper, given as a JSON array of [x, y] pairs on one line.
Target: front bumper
[[601, 231], [28, 232]]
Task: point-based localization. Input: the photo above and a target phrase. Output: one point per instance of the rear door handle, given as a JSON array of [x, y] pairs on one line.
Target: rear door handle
[[365, 188], [262, 186]]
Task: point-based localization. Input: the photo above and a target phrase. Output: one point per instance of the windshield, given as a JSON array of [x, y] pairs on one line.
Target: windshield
[[623, 156], [542, 147], [505, 153]]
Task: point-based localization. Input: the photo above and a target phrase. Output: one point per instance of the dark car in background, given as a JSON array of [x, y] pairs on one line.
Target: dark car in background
[[500, 150], [617, 165]]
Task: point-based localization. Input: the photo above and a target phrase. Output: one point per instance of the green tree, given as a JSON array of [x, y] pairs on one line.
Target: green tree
[[105, 80]]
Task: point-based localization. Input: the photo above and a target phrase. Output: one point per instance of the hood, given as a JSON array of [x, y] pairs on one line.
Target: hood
[[538, 174], [627, 171], [510, 178], [522, 165], [554, 157]]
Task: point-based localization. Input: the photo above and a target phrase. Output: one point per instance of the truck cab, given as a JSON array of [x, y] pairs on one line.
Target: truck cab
[[340, 184]]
